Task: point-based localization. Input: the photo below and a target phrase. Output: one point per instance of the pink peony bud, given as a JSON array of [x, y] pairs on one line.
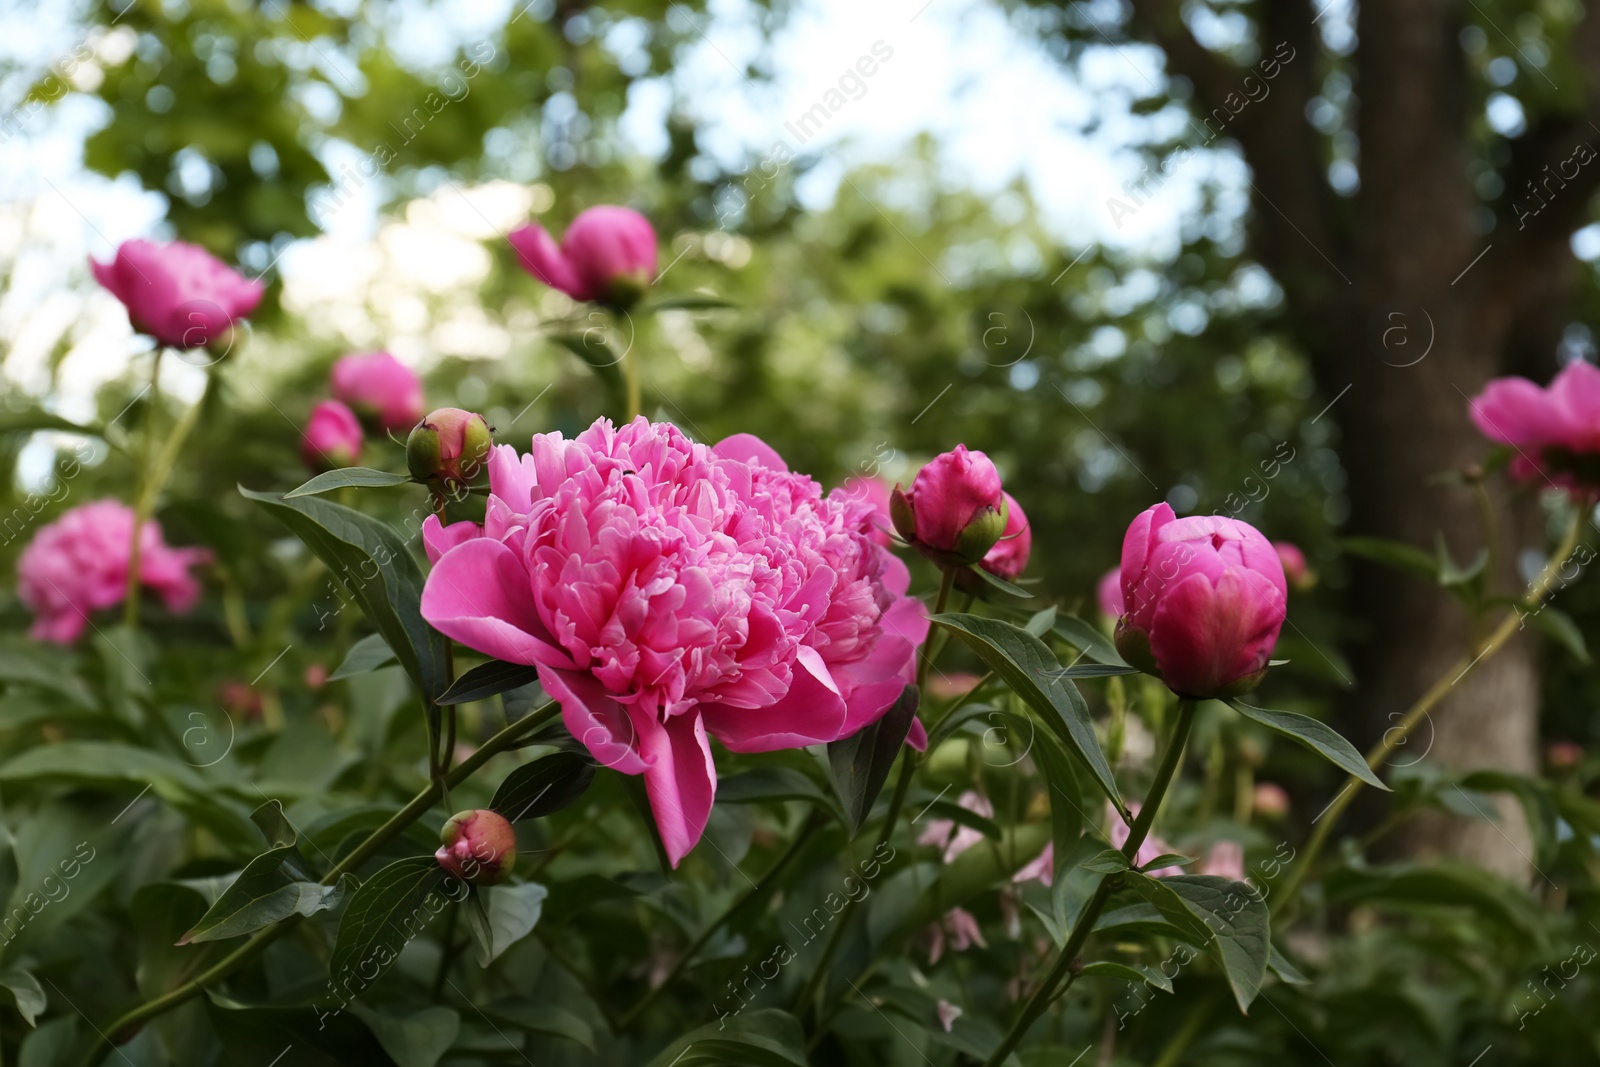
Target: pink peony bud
[[178, 293], [1564, 754], [1108, 594], [955, 510], [316, 676], [1301, 576], [332, 438], [1555, 431], [449, 445], [607, 255], [384, 392], [480, 847], [1270, 800], [79, 564], [1204, 599], [1009, 556]]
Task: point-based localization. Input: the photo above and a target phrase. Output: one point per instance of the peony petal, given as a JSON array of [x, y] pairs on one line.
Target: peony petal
[[478, 594], [748, 448], [437, 538], [681, 781], [1137, 543], [811, 713], [542, 258], [1204, 638], [591, 716]]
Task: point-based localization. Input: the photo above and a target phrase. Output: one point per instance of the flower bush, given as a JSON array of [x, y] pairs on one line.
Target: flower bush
[[604, 743]]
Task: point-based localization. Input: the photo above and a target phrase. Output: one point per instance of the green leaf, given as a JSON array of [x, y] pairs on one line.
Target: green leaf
[[1041, 621], [373, 564], [416, 1039], [1109, 861], [776, 784], [859, 764], [1395, 554], [364, 477], [949, 809], [1066, 813], [1559, 627], [106, 764], [26, 993], [1279, 965], [385, 913], [272, 887], [487, 680], [1166, 859], [1095, 670], [542, 1019], [511, 913], [1442, 884], [1129, 972], [686, 302], [365, 656], [38, 419], [1449, 573], [1228, 919], [1029, 667], [597, 353], [765, 1037], [41, 665], [1317, 736], [997, 582], [544, 786], [275, 825], [1088, 639]]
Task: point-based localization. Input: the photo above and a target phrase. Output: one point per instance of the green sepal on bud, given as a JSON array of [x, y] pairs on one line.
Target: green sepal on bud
[[982, 533]]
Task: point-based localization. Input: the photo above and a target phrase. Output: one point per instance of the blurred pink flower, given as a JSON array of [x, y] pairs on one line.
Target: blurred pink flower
[[1009, 556], [1555, 431], [1564, 754], [947, 685], [669, 592], [79, 564], [1041, 868], [1225, 860], [1270, 800], [962, 927], [380, 389], [954, 506], [1108, 594], [1150, 849], [1204, 600], [608, 254], [332, 437], [946, 833], [178, 293], [1295, 568], [948, 1014]]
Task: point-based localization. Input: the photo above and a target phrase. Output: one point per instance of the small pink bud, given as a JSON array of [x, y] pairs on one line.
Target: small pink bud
[[449, 445], [1300, 575], [607, 255], [1009, 556], [955, 510], [384, 392], [1203, 601], [1271, 801], [332, 438], [178, 293], [479, 847], [316, 676]]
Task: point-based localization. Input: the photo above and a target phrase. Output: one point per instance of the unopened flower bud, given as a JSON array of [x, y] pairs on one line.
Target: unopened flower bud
[[448, 445], [479, 847], [955, 510]]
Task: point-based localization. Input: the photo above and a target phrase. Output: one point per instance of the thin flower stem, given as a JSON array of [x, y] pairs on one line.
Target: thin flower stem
[[418, 806], [130, 603], [813, 823], [1395, 737], [1170, 761]]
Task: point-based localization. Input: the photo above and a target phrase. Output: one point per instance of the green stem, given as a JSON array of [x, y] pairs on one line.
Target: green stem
[[1414, 716], [1170, 761], [130, 603], [812, 824], [397, 823]]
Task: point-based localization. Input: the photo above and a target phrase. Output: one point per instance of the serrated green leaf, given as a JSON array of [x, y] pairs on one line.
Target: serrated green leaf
[[487, 680], [343, 477], [544, 786], [1032, 671], [1317, 736]]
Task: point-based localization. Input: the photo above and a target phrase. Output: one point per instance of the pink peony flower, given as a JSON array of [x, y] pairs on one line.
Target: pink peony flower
[[1108, 594], [1555, 431], [1295, 568], [79, 564], [669, 592], [1225, 860], [178, 293], [332, 437], [608, 254], [1009, 556], [955, 507], [1204, 599], [479, 847], [957, 839], [873, 494], [380, 389], [1041, 868], [948, 1014], [1270, 800], [962, 926]]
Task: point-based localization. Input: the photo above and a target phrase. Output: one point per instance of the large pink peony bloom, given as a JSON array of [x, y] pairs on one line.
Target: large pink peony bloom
[[1204, 599], [608, 253], [670, 592], [1556, 431], [379, 388], [79, 564], [178, 293]]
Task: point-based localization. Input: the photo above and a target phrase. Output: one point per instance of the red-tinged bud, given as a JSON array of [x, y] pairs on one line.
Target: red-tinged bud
[[449, 445], [480, 847]]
